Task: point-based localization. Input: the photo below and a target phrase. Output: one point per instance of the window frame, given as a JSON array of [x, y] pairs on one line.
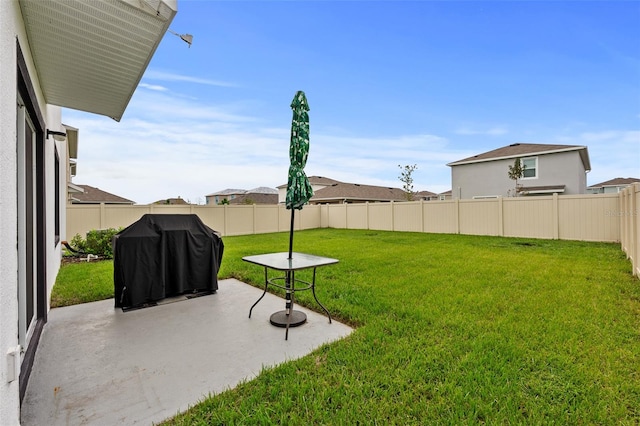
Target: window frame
[[535, 168]]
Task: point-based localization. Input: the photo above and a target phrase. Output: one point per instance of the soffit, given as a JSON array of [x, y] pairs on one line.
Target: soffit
[[91, 55]]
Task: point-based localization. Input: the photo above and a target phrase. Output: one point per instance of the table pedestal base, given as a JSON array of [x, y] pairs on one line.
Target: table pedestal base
[[279, 319]]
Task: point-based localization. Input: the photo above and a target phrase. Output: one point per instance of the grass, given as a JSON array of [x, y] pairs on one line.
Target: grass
[[82, 282], [452, 329]]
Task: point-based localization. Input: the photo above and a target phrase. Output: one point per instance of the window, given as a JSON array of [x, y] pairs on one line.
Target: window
[[531, 167]]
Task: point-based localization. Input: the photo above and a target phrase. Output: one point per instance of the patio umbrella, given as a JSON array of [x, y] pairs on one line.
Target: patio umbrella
[[299, 189]]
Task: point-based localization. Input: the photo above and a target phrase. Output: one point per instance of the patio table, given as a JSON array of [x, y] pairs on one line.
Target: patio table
[[289, 265]]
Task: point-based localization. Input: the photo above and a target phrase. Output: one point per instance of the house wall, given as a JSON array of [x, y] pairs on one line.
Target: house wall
[[9, 391], [490, 178], [12, 29]]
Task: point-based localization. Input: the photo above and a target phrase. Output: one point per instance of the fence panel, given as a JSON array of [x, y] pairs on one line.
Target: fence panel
[[629, 219], [82, 219], [590, 217], [309, 217], [381, 216], [440, 217], [266, 219], [212, 216], [337, 215], [357, 216], [479, 217], [529, 217], [407, 216]]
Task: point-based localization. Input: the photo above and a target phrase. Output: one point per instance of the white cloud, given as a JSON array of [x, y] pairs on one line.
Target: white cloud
[[168, 146], [168, 76], [153, 87], [493, 131]]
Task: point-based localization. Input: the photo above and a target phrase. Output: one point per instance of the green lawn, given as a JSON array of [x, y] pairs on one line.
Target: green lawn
[[452, 329]]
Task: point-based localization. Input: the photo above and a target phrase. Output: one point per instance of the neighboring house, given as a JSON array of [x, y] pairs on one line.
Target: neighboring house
[[261, 195], [425, 195], [343, 193], [446, 195], [331, 191], [549, 169], [172, 201], [84, 55], [611, 186], [227, 194], [91, 195], [317, 183]]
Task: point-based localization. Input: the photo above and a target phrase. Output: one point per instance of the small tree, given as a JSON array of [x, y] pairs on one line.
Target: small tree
[[406, 177], [516, 172]]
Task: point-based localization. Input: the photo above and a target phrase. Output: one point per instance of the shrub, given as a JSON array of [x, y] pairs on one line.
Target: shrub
[[98, 242]]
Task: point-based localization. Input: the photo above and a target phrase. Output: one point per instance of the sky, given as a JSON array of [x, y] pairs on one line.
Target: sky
[[389, 84]]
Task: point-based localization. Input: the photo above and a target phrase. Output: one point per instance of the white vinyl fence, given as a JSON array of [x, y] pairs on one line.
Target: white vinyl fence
[[590, 217]]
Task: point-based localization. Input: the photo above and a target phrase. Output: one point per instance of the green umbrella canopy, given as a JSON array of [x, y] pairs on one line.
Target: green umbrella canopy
[[299, 189]]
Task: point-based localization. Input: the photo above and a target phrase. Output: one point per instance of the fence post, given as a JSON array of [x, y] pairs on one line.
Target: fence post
[[556, 217], [500, 217], [102, 216], [367, 213], [346, 216], [421, 215], [225, 219], [393, 216], [457, 213], [632, 218]]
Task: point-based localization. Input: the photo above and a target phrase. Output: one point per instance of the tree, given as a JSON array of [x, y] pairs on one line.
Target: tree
[[406, 177], [516, 172]]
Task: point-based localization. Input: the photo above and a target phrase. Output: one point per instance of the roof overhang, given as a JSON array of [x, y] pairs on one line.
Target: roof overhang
[[74, 189], [540, 190], [91, 55], [582, 151]]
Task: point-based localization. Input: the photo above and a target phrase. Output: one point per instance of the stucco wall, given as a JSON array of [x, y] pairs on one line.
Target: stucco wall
[[491, 178], [12, 29], [9, 392]]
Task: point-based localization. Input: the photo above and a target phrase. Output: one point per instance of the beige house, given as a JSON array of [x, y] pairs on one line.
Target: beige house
[[611, 186], [262, 195], [343, 193], [425, 195], [549, 169], [83, 55], [229, 194]]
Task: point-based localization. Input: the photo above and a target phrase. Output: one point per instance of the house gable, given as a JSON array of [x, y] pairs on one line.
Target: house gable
[[552, 169]]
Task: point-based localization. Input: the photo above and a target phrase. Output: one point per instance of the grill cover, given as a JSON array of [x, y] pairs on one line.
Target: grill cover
[[164, 255]]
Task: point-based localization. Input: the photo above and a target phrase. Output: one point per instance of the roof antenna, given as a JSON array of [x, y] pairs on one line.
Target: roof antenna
[[187, 38]]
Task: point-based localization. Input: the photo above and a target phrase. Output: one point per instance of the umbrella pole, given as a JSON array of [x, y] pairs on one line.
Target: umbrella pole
[[289, 273], [291, 235]]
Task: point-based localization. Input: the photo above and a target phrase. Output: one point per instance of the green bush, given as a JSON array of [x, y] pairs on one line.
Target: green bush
[[98, 242]]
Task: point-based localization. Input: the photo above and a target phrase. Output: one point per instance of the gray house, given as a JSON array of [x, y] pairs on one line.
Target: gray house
[[612, 186], [549, 169]]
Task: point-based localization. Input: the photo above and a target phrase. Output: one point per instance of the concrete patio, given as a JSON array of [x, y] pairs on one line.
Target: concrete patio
[[97, 365]]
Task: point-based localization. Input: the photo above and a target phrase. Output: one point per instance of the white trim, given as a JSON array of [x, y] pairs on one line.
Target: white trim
[[482, 197], [543, 191], [536, 168]]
